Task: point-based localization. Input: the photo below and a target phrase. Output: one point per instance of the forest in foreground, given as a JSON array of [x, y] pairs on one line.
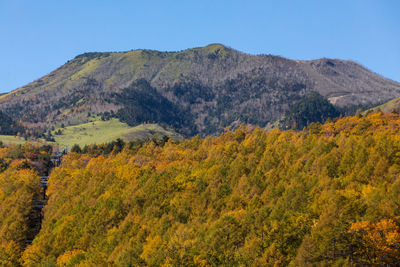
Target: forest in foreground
[[325, 196]]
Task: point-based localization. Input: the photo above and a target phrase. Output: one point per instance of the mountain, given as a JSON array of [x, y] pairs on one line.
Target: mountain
[[196, 91]]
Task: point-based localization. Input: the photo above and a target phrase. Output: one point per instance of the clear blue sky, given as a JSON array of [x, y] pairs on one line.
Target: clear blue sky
[[38, 36]]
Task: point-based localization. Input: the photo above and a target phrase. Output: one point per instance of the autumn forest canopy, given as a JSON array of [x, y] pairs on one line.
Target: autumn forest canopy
[[325, 196], [159, 134]]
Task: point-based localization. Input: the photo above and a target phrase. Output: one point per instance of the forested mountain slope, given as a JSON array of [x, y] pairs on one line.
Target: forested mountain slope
[[8, 125], [328, 196], [200, 90], [20, 170]]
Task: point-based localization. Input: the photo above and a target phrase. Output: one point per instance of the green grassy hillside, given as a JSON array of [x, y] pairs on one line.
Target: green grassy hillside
[[10, 139], [391, 106], [98, 132]]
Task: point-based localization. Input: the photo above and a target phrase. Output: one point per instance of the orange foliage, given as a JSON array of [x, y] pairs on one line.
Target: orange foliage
[[380, 242]]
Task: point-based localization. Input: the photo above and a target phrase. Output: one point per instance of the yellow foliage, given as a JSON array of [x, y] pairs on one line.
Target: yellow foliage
[[245, 198], [380, 242], [65, 259]]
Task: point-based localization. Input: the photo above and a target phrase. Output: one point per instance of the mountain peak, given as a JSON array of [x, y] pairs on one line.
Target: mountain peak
[[215, 46], [198, 90]]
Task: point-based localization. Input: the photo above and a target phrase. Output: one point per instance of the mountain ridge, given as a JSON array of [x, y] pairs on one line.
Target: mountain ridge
[[212, 87]]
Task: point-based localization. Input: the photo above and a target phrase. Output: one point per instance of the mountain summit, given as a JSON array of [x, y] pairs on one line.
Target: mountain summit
[[200, 90]]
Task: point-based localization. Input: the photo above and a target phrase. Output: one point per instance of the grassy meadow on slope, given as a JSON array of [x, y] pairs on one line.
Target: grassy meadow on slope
[[99, 132], [328, 196], [391, 106], [17, 140], [11, 139]]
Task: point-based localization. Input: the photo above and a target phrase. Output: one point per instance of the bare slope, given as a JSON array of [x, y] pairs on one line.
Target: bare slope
[[200, 90]]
